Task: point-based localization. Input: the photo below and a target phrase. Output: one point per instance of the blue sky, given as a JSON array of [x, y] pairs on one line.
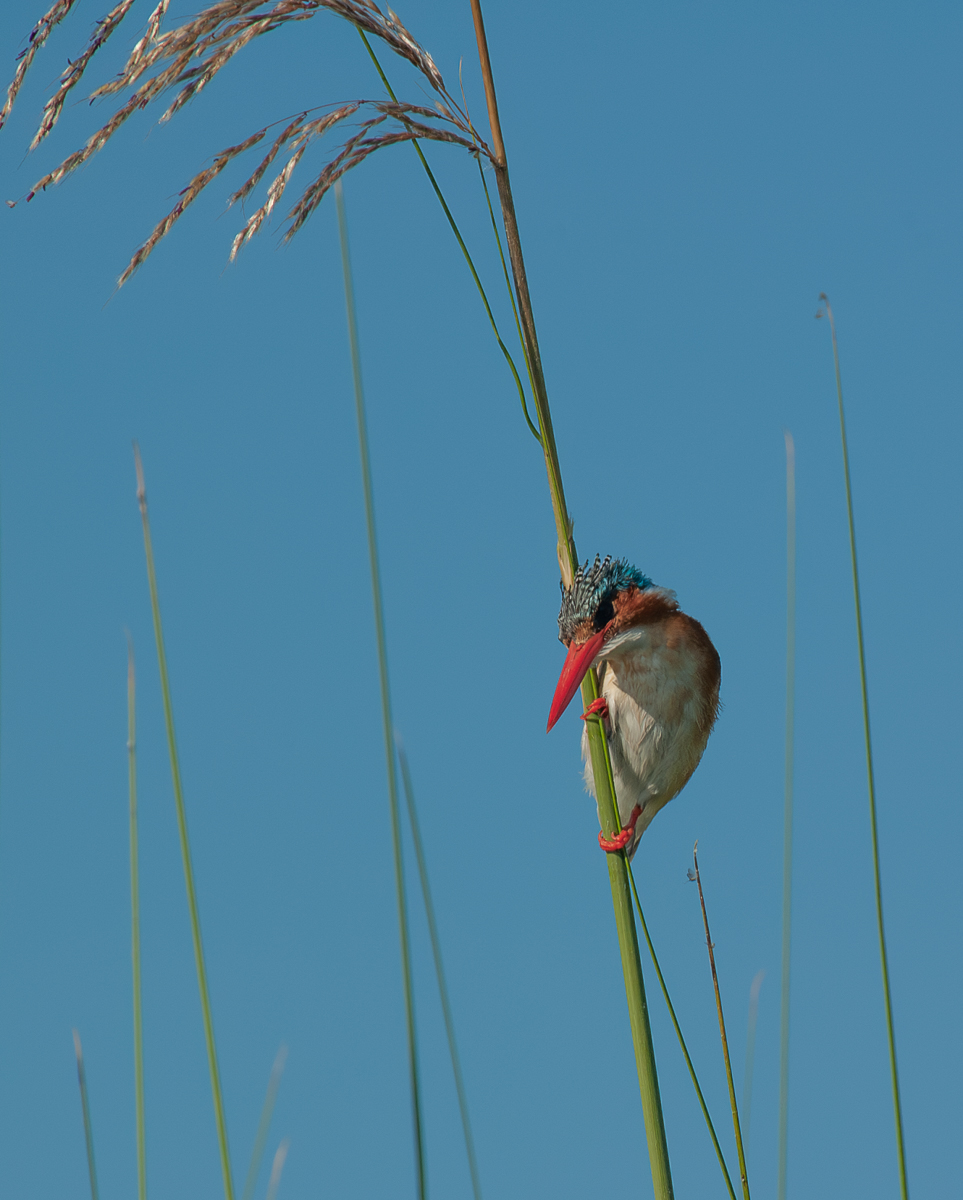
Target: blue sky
[[688, 180]]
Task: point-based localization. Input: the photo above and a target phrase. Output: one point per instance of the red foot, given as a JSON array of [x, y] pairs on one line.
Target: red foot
[[598, 708], [621, 840]]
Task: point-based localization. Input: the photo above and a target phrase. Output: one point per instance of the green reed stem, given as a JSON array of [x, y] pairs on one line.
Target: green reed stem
[[135, 926], [598, 746], [385, 697], [887, 999], [85, 1106], [750, 1055], [722, 1029], [464, 249], [264, 1124], [184, 840], [440, 971], [678, 1033], [783, 1158]]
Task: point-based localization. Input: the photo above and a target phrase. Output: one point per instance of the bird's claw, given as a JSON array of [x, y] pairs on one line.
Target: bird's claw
[[621, 840], [598, 708]]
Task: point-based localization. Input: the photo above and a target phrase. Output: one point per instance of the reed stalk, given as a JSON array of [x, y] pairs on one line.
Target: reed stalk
[[135, 925], [440, 972], [568, 561], [736, 1127], [783, 1153], [874, 832], [678, 1032], [388, 726], [85, 1108], [195, 920], [264, 1124]]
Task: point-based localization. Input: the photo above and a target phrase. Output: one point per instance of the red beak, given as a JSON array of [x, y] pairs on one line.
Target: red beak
[[577, 662]]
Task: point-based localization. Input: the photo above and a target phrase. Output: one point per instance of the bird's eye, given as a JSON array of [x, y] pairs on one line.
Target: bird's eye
[[603, 614]]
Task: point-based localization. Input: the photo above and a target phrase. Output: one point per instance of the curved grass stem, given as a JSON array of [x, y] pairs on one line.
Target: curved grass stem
[[135, 925], [874, 831], [783, 1153], [678, 1032], [440, 973], [388, 727], [464, 249], [195, 919], [737, 1128], [85, 1108]]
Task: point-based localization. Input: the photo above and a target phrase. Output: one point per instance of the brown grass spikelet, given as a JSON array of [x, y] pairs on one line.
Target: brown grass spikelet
[[71, 77], [188, 196], [38, 35]]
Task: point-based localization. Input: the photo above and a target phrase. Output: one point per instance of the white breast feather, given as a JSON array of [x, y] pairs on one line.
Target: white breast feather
[[657, 726]]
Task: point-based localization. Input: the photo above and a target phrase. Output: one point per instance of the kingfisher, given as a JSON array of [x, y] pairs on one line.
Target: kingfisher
[[659, 677]]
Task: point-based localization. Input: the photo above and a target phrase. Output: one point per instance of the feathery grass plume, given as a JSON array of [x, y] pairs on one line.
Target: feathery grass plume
[[195, 919], [439, 970], [388, 726], [71, 77], [186, 58], [135, 925], [264, 1124], [874, 832], [678, 1032], [277, 1167], [38, 35], [568, 560], [750, 1052], [697, 878], [85, 1107], [783, 1153]]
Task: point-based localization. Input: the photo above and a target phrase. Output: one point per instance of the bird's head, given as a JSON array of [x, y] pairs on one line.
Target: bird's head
[[594, 609]]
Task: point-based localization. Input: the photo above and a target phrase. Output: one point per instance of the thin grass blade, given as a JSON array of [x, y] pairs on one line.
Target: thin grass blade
[[783, 1153], [678, 1032], [439, 971], [416, 1113], [264, 1124], [874, 831], [737, 1129], [135, 925], [277, 1167], [750, 1053], [85, 1107], [195, 919]]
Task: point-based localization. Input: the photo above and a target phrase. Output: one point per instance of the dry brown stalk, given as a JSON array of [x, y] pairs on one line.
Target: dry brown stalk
[[185, 60]]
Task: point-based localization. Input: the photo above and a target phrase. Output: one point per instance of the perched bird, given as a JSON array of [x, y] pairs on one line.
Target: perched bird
[[658, 680]]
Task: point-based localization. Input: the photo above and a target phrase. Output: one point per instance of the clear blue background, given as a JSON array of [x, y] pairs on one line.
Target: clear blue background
[[688, 179]]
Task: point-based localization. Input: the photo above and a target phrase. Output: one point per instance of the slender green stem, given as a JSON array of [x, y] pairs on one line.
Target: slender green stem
[[750, 1054], [887, 999], [678, 1033], [135, 925], [439, 971], [787, 816], [85, 1106], [598, 746], [722, 1030], [264, 1124], [385, 699], [464, 249], [184, 840]]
